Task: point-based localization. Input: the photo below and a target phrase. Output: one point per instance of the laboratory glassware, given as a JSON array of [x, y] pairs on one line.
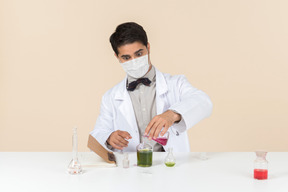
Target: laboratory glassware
[[144, 154], [161, 139], [261, 166], [126, 161], [74, 167], [170, 160]]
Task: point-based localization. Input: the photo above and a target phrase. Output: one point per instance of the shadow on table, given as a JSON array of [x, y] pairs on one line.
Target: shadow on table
[[277, 175]]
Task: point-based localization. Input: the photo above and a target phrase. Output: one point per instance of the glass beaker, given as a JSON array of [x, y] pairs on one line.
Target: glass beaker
[[261, 166], [170, 160], [144, 154], [126, 160], [161, 139]]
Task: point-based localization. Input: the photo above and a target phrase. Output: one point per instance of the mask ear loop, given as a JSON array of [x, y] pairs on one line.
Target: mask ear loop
[[148, 53]]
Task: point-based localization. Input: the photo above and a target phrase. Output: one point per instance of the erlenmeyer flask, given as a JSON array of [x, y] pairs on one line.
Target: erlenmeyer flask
[[261, 166], [170, 160], [162, 140], [74, 166]]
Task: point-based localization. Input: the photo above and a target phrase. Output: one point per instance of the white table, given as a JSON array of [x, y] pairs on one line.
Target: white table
[[231, 172]]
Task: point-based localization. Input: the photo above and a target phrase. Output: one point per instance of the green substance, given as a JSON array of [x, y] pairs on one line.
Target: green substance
[[144, 158], [170, 164]]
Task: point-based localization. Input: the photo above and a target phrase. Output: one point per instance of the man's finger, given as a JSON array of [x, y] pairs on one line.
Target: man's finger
[[147, 130], [158, 129], [125, 135], [153, 129], [114, 145], [150, 125], [121, 141], [165, 129]]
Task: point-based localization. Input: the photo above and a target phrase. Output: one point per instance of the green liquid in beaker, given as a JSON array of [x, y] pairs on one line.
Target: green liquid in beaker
[[144, 158]]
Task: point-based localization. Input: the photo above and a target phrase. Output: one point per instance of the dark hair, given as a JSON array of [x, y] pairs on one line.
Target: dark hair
[[127, 33]]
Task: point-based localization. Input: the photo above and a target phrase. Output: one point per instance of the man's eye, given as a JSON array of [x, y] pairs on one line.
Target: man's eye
[[139, 54], [126, 58]]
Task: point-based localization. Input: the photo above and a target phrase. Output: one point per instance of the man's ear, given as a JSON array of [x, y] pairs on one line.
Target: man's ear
[[116, 55], [148, 47]]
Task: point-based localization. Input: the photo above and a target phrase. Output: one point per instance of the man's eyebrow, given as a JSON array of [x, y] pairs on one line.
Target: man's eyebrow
[[138, 51], [123, 56]]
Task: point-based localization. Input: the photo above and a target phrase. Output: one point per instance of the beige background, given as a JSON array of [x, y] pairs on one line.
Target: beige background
[[56, 63]]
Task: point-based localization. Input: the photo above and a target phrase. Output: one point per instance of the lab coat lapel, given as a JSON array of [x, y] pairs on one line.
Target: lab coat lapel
[[126, 107], [161, 89]]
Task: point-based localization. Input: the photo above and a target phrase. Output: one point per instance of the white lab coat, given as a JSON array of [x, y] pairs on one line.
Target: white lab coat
[[172, 92]]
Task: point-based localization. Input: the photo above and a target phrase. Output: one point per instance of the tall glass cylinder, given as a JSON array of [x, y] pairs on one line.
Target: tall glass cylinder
[[74, 166]]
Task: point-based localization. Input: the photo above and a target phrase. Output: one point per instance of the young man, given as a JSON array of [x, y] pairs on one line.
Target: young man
[[146, 102]]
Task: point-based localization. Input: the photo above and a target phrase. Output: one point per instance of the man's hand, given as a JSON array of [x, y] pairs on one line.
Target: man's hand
[[165, 120], [118, 139]]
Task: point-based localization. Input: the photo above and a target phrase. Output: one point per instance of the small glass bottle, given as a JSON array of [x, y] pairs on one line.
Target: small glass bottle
[[74, 166], [170, 160], [261, 166], [144, 154], [126, 161]]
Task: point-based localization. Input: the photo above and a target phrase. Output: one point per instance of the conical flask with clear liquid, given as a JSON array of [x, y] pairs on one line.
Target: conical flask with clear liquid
[[74, 167]]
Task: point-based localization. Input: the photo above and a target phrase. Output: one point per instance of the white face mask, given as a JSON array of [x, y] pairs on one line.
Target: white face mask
[[137, 67]]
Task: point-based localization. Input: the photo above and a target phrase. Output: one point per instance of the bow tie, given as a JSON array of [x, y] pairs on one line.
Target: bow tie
[[132, 86]]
